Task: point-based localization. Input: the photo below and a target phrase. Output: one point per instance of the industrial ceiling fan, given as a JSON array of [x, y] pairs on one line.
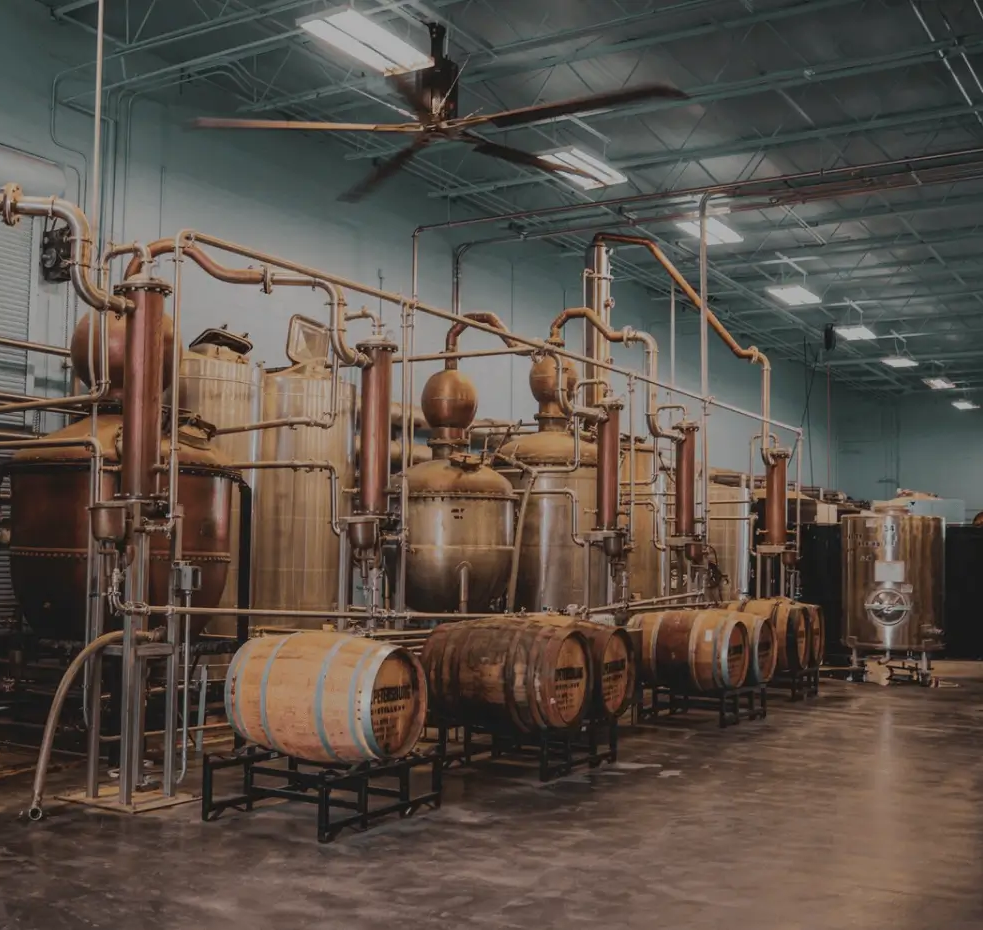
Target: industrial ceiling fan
[[432, 97]]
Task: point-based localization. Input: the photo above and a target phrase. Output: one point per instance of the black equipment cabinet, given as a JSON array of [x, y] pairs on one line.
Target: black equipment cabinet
[[821, 578], [963, 592]]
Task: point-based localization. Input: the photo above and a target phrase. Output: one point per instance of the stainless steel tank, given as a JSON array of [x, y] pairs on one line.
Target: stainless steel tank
[[222, 386], [645, 560], [730, 539], [557, 567], [295, 552], [893, 566]]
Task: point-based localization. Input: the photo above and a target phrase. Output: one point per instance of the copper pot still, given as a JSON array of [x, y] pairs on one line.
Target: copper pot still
[[49, 531]]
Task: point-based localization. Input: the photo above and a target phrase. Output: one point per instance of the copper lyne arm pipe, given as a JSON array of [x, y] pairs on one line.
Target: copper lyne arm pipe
[[584, 313], [481, 316], [750, 354], [267, 279]]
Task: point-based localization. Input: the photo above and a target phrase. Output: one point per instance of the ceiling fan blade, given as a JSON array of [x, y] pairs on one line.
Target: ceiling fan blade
[[518, 157], [207, 122], [543, 111], [386, 170], [406, 87]]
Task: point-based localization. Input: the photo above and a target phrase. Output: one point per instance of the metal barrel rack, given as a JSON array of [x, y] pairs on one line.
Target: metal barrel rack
[[353, 789], [557, 752], [731, 704], [798, 684]]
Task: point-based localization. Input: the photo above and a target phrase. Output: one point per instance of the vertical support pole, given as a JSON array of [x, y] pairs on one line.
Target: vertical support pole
[[134, 707], [598, 290]]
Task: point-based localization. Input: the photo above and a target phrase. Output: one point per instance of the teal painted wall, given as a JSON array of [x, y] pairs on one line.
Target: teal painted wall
[[279, 193]]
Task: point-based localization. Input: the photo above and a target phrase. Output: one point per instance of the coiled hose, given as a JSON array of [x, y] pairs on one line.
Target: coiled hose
[[35, 812]]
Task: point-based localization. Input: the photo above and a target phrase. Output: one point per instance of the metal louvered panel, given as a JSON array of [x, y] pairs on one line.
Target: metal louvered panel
[[16, 270]]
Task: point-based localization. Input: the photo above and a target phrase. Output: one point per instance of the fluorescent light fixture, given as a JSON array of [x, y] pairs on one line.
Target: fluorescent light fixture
[[854, 333], [364, 39], [601, 174], [717, 232], [900, 361], [965, 405], [939, 384], [795, 295]]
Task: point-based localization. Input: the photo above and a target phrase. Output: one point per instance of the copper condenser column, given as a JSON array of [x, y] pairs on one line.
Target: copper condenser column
[[608, 476], [686, 488], [377, 379], [776, 499], [143, 385]]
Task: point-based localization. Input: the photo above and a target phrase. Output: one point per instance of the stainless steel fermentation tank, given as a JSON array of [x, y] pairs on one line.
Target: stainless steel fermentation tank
[[645, 562], [893, 564], [222, 385], [729, 539]]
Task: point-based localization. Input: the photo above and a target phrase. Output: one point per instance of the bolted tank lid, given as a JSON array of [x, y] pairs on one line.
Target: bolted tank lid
[[223, 339], [457, 476], [549, 448]]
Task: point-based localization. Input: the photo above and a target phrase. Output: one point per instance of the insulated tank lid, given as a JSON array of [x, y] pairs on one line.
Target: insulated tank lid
[[307, 340], [222, 338]]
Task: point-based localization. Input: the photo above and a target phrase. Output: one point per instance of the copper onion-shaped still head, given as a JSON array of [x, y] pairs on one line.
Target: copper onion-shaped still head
[[542, 379], [450, 400], [117, 351]]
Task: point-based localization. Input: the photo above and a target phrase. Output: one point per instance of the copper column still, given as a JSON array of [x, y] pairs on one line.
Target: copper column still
[[377, 379], [685, 488], [143, 385], [609, 476], [776, 498]]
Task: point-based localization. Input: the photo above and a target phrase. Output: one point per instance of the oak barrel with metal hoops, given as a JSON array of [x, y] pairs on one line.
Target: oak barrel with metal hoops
[[817, 634], [693, 650], [327, 697], [762, 649], [613, 658], [521, 673], [791, 623]]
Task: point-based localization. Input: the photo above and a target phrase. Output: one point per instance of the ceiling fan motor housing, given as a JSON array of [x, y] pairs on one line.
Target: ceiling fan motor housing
[[440, 81]]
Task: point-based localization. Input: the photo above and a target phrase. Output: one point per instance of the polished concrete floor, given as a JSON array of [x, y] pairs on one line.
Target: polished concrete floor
[[860, 809]]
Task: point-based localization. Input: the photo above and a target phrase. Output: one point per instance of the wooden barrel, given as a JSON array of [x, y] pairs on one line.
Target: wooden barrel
[[817, 634], [327, 697], [613, 664], [791, 623], [686, 650], [519, 673], [762, 649]]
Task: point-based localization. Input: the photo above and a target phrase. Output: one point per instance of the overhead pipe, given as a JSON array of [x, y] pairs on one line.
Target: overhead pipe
[[454, 334], [751, 354], [13, 205], [412, 304], [265, 278]]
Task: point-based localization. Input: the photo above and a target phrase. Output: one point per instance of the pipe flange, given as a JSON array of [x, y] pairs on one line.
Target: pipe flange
[[11, 194], [155, 285]]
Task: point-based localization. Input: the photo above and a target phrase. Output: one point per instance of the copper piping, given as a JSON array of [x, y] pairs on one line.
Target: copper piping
[[14, 204], [597, 296], [481, 316], [265, 278], [143, 386], [751, 354], [592, 317]]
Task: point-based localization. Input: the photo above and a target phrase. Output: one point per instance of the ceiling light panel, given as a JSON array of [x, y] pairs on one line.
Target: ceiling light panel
[[795, 295], [899, 361], [939, 384], [854, 333], [965, 405], [717, 233], [364, 39], [601, 174]]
